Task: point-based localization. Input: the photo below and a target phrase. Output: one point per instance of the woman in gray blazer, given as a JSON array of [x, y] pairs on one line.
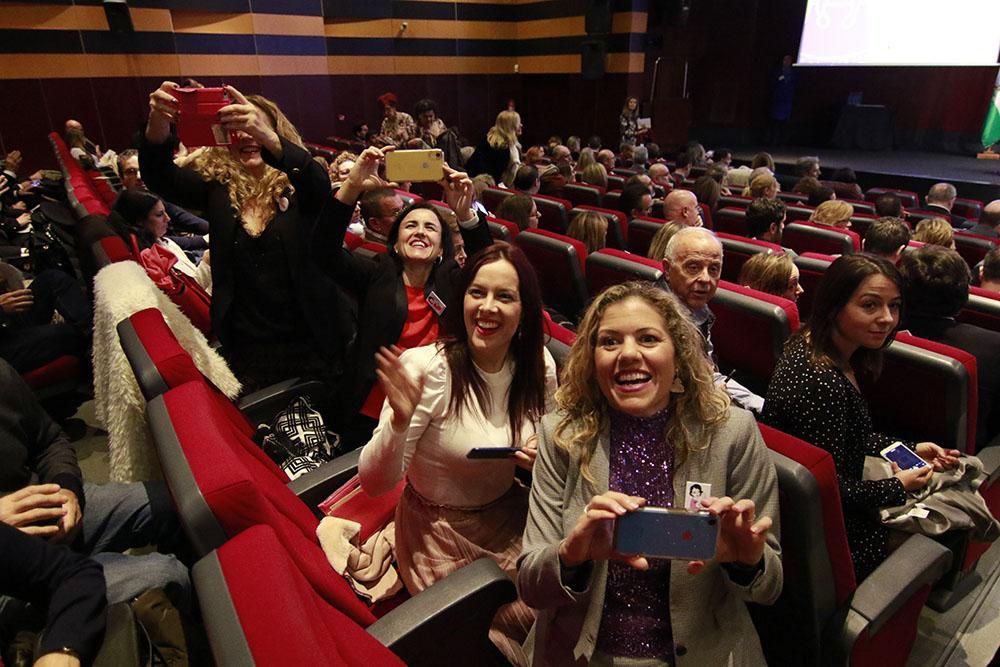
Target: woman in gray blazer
[[640, 423]]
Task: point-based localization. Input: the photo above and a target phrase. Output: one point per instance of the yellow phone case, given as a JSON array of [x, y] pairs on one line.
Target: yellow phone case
[[415, 165]]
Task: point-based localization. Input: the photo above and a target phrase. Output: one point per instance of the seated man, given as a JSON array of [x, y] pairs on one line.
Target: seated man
[[887, 237], [989, 222], [692, 266], [766, 219], [989, 271], [44, 495], [635, 201], [940, 199], [659, 174], [681, 206], [889, 205], [379, 208], [526, 180], [936, 288]]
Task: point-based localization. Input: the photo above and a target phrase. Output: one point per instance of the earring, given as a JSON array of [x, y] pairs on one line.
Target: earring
[[677, 387]]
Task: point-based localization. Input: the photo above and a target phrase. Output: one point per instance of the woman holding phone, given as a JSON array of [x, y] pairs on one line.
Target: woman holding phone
[[275, 312], [814, 395], [485, 384], [639, 419]]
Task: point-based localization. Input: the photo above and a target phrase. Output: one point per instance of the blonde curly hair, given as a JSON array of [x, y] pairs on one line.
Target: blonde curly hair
[[247, 193], [585, 411]]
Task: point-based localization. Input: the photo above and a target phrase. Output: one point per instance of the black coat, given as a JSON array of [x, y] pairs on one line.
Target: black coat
[[381, 295]]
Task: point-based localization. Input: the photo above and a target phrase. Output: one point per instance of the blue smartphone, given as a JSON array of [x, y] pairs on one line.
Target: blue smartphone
[[492, 452], [663, 532], [902, 456]]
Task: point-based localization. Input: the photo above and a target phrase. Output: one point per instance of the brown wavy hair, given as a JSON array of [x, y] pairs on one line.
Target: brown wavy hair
[[245, 191], [585, 411]]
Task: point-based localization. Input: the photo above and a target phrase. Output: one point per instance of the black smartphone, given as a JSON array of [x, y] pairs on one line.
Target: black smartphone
[[664, 532], [492, 452]]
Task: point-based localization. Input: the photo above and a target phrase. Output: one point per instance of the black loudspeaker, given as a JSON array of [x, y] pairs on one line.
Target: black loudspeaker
[[593, 54], [119, 18], [598, 17]]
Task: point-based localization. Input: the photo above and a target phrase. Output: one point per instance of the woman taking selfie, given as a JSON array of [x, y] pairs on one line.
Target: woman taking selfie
[[486, 384], [814, 395], [275, 313], [640, 423]]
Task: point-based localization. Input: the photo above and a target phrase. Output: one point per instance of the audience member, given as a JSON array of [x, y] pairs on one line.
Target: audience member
[[935, 231], [989, 271], [692, 265], [397, 126], [722, 157], [479, 184], [341, 167], [940, 199], [432, 132], [519, 209], [653, 149], [659, 174], [272, 310], [561, 155], [845, 183], [379, 208], [457, 242], [766, 219], [887, 237], [128, 169], [807, 166], [591, 228], [682, 206], [820, 194], [498, 154], [606, 157], [641, 179], [534, 155], [774, 273], [988, 224], [658, 244], [640, 158], [696, 154], [806, 185], [706, 189], [628, 121], [360, 133], [553, 178], [487, 383], [762, 186], [640, 412], [889, 205], [595, 174], [586, 159], [936, 287], [635, 201], [526, 180], [573, 144], [833, 213], [763, 159], [594, 143], [682, 168], [737, 178], [814, 395], [86, 152]]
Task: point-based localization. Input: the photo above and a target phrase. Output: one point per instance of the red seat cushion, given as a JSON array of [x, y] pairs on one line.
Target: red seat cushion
[[62, 369]]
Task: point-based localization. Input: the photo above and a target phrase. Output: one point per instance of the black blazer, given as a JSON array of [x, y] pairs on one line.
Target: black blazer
[[381, 294], [981, 343], [321, 306], [488, 160], [957, 221]]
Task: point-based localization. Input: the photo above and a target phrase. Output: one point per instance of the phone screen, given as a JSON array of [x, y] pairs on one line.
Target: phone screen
[[904, 457]]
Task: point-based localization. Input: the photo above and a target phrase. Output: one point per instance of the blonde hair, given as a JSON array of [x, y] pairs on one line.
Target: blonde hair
[[768, 272], [834, 213], [586, 159], [760, 184], [595, 174], [591, 228], [658, 244], [935, 231], [245, 191], [697, 411], [503, 134]]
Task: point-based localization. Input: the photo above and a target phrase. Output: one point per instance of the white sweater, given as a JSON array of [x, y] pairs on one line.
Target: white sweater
[[432, 451]]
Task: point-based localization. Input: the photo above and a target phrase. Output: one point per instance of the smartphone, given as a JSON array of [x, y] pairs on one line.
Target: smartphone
[[198, 123], [902, 456], [492, 452], [35, 183], [664, 532], [415, 165]]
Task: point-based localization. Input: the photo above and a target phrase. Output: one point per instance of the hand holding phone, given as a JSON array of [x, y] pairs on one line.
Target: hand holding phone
[[198, 122], [902, 456], [414, 165], [663, 532]]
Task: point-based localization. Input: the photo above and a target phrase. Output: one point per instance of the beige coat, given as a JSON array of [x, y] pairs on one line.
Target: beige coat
[[707, 611]]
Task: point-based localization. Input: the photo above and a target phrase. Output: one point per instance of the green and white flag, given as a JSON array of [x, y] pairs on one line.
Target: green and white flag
[[991, 128]]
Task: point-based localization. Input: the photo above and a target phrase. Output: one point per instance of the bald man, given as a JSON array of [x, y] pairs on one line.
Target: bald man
[[681, 206], [606, 157], [659, 173], [989, 221]]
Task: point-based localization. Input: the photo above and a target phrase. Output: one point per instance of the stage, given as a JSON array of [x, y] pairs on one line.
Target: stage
[[908, 170]]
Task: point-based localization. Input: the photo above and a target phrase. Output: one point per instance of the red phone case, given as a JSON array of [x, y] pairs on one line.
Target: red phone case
[[198, 123]]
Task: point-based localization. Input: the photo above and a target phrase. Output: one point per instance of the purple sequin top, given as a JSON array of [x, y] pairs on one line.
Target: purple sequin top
[[636, 618]]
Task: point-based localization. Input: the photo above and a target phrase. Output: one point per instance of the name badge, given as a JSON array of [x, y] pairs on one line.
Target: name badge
[[436, 304], [694, 492]]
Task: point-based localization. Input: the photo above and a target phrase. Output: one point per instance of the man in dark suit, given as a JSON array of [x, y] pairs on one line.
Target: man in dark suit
[[937, 287], [989, 221], [940, 199]]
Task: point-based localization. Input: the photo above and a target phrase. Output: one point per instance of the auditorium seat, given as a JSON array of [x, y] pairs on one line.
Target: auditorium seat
[[824, 616], [750, 331], [617, 236], [559, 262], [982, 309], [970, 209], [734, 201], [502, 230], [615, 184], [427, 190], [706, 215], [622, 171], [249, 582], [581, 194], [798, 212], [793, 198], [553, 213], [609, 267], [738, 249], [641, 231], [972, 247], [861, 206], [492, 197], [611, 199], [408, 197], [732, 220], [810, 237], [811, 270], [110, 249], [860, 222], [57, 378], [909, 198]]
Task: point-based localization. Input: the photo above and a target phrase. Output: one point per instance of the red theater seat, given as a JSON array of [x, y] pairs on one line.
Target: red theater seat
[[793, 198], [641, 231], [560, 264], [732, 220], [609, 267], [909, 198], [810, 237], [615, 184], [583, 195], [738, 249], [982, 309], [617, 225], [970, 209], [493, 196], [812, 266], [973, 248], [553, 213], [799, 212], [734, 201]]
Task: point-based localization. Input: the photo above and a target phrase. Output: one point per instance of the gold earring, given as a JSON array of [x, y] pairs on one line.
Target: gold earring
[[677, 387]]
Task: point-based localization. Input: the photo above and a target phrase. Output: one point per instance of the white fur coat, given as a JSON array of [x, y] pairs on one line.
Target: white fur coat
[[120, 290]]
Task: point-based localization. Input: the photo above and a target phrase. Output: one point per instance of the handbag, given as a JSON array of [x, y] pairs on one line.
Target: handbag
[[183, 290], [297, 439]]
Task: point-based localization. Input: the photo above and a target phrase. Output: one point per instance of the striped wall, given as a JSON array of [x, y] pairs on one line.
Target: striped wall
[[323, 61]]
